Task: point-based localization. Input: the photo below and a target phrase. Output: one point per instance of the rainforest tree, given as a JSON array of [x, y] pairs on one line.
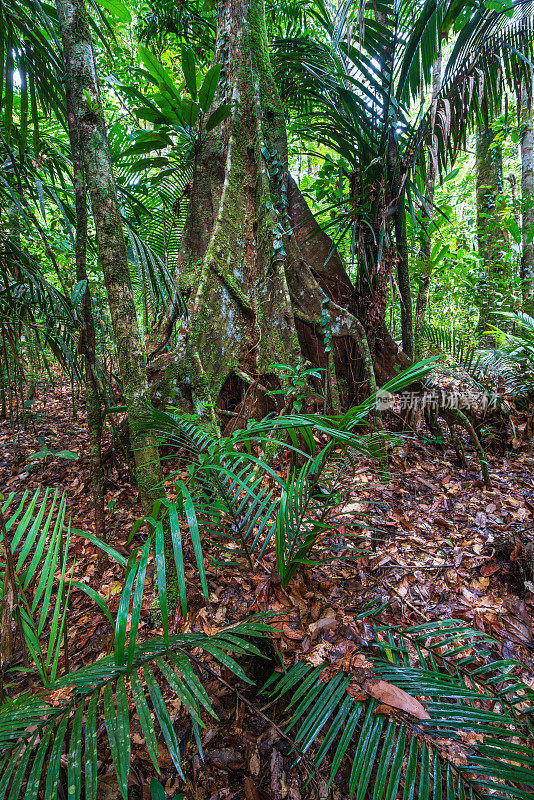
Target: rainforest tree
[[492, 238], [527, 193], [264, 284], [88, 136]]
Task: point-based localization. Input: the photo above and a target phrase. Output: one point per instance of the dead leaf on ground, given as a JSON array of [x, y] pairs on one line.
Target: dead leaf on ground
[[395, 697]]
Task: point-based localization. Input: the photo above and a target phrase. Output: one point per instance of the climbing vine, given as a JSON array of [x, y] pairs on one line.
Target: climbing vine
[[278, 202]]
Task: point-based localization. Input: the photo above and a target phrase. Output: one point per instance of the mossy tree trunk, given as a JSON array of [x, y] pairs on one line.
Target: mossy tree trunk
[[492, 236], [95, 417], [81, 73], [401, 245], [264, 285]]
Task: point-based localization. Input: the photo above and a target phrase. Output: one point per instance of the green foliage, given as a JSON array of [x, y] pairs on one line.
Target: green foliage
[[469, 739], [167, 107], [34, 727], [298, 380], [304, 515], [90, 690], [346, 95], [353, 104], [40, 547], [458, 746], [509, 365], [190, 23], [513, 358], [237, 502], [458, 344]]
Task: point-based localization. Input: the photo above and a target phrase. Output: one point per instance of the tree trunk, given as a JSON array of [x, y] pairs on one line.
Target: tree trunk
[[492, 237], [95, 417], [401, 245], [527, 196], [257, 271], [426, 240], [82, 74]]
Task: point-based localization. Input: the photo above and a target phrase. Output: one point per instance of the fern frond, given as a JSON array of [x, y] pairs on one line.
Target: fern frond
[[39, 542]]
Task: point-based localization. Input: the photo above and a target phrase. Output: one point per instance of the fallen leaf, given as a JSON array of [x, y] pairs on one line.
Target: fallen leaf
[[397, 698], [251, 793], [489, 568], [324, 624], [291, 633]]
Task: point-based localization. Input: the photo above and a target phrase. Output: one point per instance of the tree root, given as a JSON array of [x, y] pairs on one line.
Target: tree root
[[462, 420], [456, 442], [454, 416]]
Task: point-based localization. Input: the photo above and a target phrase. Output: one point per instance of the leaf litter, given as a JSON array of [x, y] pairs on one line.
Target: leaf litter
[[440, 546]]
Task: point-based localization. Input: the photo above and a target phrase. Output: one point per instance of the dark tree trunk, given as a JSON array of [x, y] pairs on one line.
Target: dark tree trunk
[[257, 271], [401, 244], [426, 238], [492, 236], [527, 197]]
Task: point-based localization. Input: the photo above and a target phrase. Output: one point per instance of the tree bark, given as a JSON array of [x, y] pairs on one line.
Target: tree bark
[[401, 244], [254, 265], [492, 237], [82, 74], [94, 414], [527, 197]]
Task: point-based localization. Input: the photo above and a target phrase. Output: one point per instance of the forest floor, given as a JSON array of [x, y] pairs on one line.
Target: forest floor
[[444, 547]]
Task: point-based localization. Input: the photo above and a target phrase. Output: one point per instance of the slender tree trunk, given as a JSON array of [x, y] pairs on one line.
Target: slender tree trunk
[[95, 417], [82, 73], [426, 239], [492, 237], [401, 245], [254, 265], [527, 196]]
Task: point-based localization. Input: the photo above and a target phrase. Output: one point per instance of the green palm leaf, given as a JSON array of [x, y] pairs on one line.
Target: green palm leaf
[[89, 692], [474, 751]]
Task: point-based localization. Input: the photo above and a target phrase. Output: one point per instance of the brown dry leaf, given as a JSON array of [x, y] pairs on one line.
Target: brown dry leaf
[[489, 568], [292, 633], [108, 788], [278, 778], [384, 709], [315, 611], [471, 737], [397, 698], [294, 789], [251, 793], [355, 690], [254, 763], [319, 654], [60, 696], [322, 625], [454, 753], [358, 661]]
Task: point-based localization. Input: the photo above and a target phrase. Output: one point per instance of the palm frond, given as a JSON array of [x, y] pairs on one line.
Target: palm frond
[[234, 502], [34, 728], [370, 716], [39, 542]]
